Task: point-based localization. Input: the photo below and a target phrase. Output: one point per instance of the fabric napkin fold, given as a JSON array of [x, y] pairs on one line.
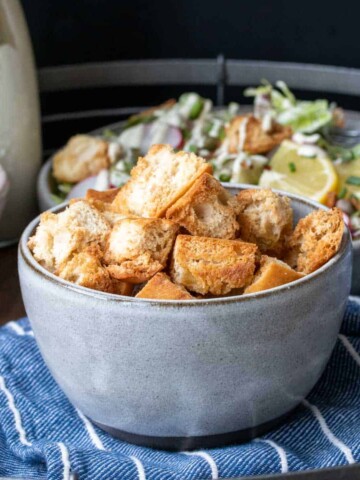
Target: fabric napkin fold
[[43, 436]]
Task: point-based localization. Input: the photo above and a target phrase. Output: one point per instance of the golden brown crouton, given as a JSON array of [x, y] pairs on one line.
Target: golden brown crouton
[[102, 201], [106, 196], [85, 269], [205, 210], [272, 273], [82, 157], [315, 240], [59, 236], [139, 247], [245, 133], [212, 265], [41, 244], [160, 287], [106, 209], [265, 218], [158, 180]]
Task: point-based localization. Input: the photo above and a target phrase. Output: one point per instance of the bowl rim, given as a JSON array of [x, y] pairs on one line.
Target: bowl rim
[[27, 256]]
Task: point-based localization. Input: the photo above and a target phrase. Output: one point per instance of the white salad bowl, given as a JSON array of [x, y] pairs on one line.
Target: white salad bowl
[[187, 374]]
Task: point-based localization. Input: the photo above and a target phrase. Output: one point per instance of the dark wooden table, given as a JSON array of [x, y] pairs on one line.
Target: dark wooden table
[[11, 304]]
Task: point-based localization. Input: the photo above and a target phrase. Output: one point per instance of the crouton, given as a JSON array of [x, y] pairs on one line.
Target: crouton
[[212, 265], [265, 218], [59, 236], [160, 287], [85, 269], [138, 248], [205, 210], [315, 240], [103, 206], [82, 157], [41, 244], [246, 133], [272, 273], [158, 180], [106, 196]]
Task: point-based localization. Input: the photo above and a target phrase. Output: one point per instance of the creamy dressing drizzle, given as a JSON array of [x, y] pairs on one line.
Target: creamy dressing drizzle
[[267, 122], [114, 151], [302, 139], [132, 137], [159, 132], [311, 151], [197, 138], [215, 129], [102, 180], [185, 109], [242, 134]]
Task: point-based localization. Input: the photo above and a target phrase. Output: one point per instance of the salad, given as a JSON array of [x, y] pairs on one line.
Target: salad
[[283, 143]]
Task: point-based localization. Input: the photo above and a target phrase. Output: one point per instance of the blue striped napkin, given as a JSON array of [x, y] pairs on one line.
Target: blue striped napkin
[[43, 436]]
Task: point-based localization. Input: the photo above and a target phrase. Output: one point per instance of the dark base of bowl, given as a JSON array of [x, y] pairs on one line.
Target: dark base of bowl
[[192, 443]]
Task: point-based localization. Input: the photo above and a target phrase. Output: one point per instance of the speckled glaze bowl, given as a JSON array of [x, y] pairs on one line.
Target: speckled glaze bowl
[[187, 374]]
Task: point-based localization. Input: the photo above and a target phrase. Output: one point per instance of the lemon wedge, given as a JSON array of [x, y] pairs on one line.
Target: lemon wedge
[[311, 177], [345, 171]]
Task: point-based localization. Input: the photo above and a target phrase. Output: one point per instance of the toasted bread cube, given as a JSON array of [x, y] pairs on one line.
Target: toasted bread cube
[[212, 265], [59, 236], [82, 157], [205, 210], [85, 269], [272, 273], [138, 248], [41, 244], [160, 287], [246, 133], [158, 180], [106, 196], [265, 218], [103, 204], [316, 238]]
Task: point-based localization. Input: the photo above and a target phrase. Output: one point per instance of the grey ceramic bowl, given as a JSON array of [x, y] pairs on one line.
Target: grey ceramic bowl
[[187, 374]]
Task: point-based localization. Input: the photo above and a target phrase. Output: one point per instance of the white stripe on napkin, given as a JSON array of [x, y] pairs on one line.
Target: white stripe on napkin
[[91, 431], [140, 467], [280, 451], [350, 349], [19, 329], [210, 461], [65, 460], [16, 327], [16, 413], [328, 433]]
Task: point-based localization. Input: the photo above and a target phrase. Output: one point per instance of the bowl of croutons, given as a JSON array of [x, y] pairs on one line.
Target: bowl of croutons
[[178, 313]]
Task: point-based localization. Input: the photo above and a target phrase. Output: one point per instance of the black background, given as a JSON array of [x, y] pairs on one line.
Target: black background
[[73, 31], [78, 31]]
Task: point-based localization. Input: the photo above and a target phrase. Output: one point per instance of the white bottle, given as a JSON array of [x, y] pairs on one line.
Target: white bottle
[[20, 138]]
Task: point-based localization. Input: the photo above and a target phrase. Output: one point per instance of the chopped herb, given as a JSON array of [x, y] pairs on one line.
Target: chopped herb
[[353, 180], [57, 199], [65, 187], [224, 177], [292, 167], [108, 134], [137, 119], [193, 148], [186, 133], [342, 193]]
